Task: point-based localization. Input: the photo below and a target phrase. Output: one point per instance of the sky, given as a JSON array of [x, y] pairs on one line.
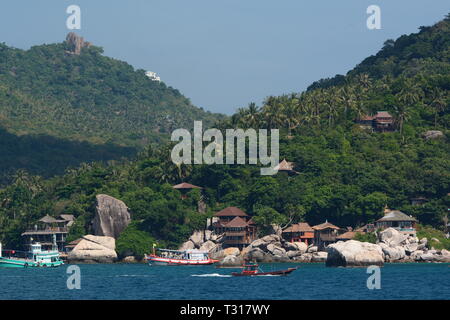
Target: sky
[[224, 54]]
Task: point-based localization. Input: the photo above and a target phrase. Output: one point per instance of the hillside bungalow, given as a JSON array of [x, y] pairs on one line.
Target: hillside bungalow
[[325, 234], [382, 121], [48, 229], [397, 220], [418, 201], [299, 232], [238, 228]]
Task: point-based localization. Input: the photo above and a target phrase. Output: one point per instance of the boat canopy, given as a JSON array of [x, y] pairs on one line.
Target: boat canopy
[[183, 251]]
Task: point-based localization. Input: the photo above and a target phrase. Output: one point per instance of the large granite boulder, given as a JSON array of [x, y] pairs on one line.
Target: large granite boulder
[[306, 257], [188, 245], [231, 261], [354, 253], [433, 134], [393, 253], [231, 251], [275, 230], [94, 249], [111, 216], [392, 237], [76, 43], [410, 248], [197, 238], [301, 247], [208, 246], [275, 249], [319, 256]]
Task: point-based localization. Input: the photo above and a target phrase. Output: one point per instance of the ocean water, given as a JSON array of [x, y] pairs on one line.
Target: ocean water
[[310, 281]]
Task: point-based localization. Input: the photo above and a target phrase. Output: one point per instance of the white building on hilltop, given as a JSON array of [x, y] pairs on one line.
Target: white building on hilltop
[[152, 76]]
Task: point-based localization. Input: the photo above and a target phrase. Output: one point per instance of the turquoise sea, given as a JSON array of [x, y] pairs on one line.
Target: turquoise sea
[[310, 281]]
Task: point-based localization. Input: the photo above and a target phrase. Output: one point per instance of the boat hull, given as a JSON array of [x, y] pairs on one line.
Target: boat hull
[[159, 261], [23, 263], [272, 273]]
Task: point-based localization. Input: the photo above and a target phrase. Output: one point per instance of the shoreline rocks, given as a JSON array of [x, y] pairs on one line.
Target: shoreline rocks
[[354, 253], [392, 247], [94, 249], [111, 216]]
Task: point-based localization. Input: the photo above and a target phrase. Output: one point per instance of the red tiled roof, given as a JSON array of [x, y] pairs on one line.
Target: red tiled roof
[[383, 114], [185, 185], [231, 211]]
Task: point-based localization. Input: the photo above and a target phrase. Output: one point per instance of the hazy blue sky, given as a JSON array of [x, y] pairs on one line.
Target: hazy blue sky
[[223, 54]]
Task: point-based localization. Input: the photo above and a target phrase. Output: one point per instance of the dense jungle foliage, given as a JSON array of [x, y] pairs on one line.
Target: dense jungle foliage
[[347, 174], [47, 91]]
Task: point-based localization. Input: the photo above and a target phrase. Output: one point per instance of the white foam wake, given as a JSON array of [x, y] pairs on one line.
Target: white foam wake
[[212, 275]]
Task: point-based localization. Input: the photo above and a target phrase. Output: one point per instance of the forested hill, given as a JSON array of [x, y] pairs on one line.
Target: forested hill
[[48, 89], [347, 174], [427, 51], [52, 91]]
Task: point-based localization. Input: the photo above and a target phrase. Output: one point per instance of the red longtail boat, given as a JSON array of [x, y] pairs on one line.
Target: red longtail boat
[[252, 269]]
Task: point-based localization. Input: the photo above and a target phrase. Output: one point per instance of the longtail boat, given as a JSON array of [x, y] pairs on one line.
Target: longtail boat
[[252, 269]]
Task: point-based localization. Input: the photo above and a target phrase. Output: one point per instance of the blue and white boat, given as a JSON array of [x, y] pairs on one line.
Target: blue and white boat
[[33, 259]]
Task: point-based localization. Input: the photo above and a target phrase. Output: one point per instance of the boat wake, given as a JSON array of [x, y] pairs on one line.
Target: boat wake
[[212, 275], [133, 275]]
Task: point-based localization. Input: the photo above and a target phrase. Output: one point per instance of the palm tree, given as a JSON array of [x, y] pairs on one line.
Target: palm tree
[[439, 103], [291, 113], [252, 116], [402, 111], [364, 81]]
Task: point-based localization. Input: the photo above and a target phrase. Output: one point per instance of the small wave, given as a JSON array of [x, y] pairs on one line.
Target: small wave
[[212, 275], [132, 275]]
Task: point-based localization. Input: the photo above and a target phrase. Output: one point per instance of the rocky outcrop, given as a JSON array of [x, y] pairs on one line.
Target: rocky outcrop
[[94, 249], [111, 216], [222, 254], [130, 259], [272, 248], [208, 246], [231, 261], [433, 134], [354, 253], [76, 43], [197, 238], [319, 256], [188, 245], [392, 237], [398, 247], [392, 253]]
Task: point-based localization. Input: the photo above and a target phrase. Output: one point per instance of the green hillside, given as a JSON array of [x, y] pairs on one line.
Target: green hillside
[[347, 174], [47, 91]]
